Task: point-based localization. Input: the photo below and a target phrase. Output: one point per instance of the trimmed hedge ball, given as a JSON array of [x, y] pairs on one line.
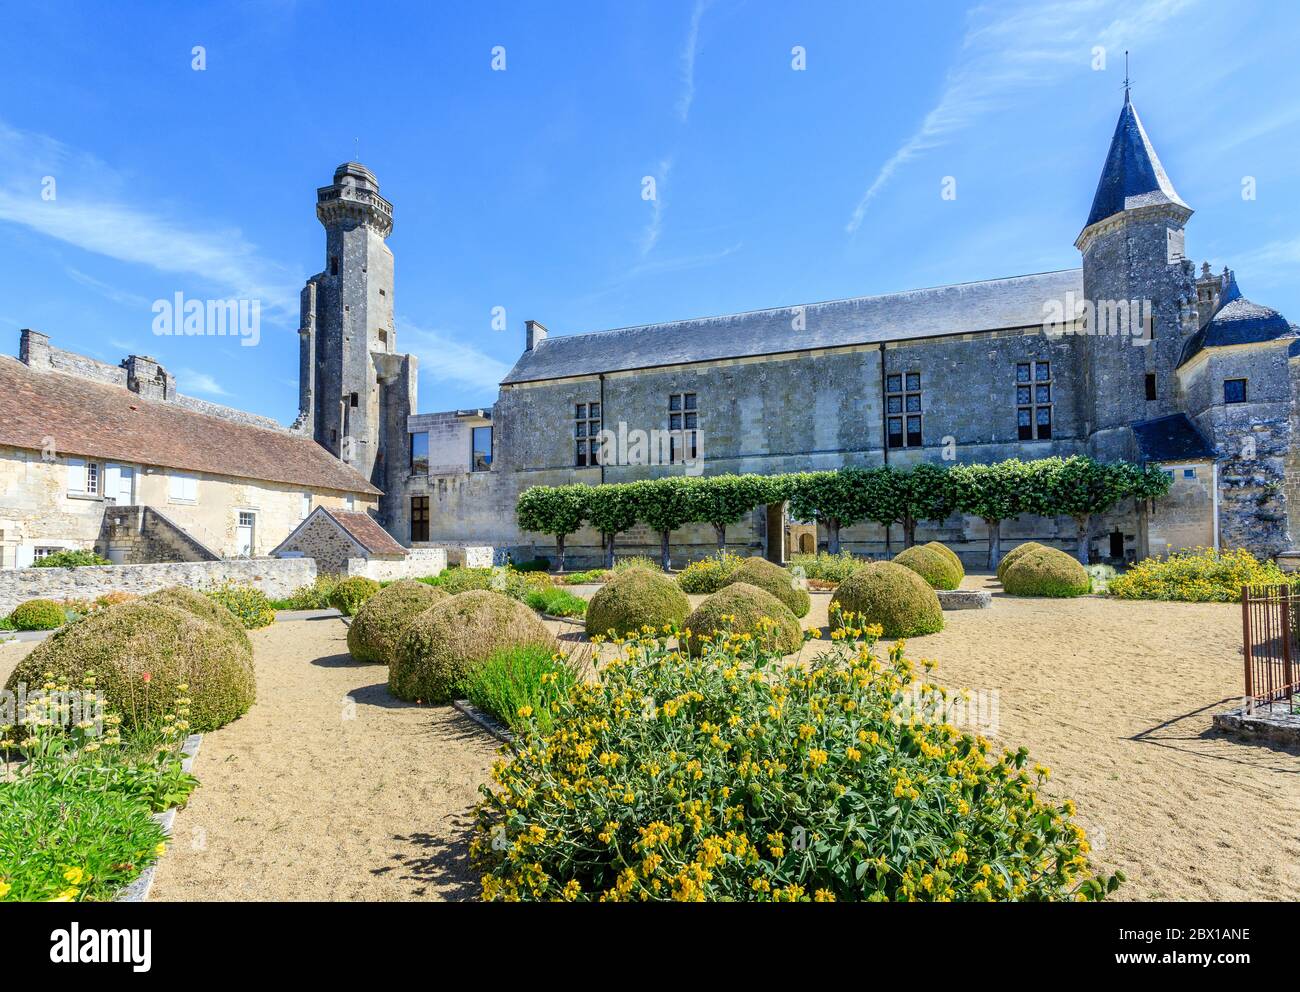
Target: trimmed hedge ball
[[205, 608], [950, 554], [930, 565], [893, 596], [636, 597], [384, 617], [348, 595], [1046, 572], [1010, 558], [140, 652], [38, 614], [747, 606], [773, 579], [444, 645]]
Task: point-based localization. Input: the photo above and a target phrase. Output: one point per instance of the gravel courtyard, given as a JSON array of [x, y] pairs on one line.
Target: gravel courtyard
[[311, 796]]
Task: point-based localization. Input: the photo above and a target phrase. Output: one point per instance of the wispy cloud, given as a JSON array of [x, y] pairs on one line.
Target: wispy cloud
[[189, 381], [1007, 52], [1272, 264], [445, 359], [655, 226], [92, 210], [690, 50], [132, 300]]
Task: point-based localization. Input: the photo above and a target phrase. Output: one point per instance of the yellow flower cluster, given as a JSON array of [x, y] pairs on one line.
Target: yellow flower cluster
[[1198, 575], [734, 777]]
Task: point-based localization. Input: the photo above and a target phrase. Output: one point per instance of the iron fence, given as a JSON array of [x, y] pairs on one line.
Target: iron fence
[[1270, 629]]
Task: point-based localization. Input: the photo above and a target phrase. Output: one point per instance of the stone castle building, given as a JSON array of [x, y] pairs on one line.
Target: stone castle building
[[1136, 354]]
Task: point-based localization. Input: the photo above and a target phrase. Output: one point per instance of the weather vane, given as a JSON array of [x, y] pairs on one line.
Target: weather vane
[[1126, 79]]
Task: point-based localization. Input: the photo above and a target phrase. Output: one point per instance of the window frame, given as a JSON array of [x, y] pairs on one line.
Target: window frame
[[1244, 390], [904, 415], [683, 406], [182, 477], [411, 463], [1033, 406], [91, 476], [473, 448], [585, 447]]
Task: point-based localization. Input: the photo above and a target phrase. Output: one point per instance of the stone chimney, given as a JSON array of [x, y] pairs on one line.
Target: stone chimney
[[534, 334], [34, 348], [145, 376]]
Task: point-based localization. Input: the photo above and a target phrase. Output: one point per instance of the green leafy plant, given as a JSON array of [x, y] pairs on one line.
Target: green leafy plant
[[593, 576], [708, 574], [633, 598], [1198, 575], [611, 509], [664, 505], [826, 567], [378, 626], [70, 559], [38, 614], [248, 603], [890, 595], [734, 778], [520, 686], [1046, 572], [776, 580], [315, 596], [556, 602]]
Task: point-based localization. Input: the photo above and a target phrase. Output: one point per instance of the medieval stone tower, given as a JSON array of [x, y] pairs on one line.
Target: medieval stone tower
[[1140, 289], [355, 390]]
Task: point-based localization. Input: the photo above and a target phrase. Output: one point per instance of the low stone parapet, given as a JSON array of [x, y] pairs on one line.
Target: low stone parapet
[[964, 599], [277, 577]]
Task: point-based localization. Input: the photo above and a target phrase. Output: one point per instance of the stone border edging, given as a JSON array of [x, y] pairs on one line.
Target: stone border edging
[[1263, 725], [485, 720], [138, 891]]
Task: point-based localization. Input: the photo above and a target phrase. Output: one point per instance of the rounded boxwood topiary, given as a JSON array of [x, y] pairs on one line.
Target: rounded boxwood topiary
[[951, 555], [348, 595], [140, 653], [633, 598], [38, 614], [931, 565], [740, 608], [773, 579], [384, 617], [1046, 572], [205, 608], [1010, 558], [891, 595], [444, 645]]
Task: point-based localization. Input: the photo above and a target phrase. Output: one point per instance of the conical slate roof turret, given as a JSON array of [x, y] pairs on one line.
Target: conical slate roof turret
[[1133, 176]]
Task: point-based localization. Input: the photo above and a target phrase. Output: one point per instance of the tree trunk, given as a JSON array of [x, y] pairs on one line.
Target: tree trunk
[[995, 552], [721, 531], [833, 536], [909, 532], [559, 552], [609, 550], [1082, 523], [664, 558]]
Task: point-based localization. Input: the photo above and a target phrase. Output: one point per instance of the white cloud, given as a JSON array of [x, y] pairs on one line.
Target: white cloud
[[93, 211], [1008, 51], [445, 359], [189, 381], [133, 300], [689, 52]]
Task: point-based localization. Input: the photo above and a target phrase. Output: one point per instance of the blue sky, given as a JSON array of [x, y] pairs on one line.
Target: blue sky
[[522, 189]]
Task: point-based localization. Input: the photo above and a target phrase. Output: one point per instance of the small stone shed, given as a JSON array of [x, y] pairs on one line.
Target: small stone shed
[[335, 537]]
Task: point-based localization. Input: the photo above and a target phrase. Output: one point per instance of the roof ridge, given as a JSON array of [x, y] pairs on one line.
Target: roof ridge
[[795, 306]]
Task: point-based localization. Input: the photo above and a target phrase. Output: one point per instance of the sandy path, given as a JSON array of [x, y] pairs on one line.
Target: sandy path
[[297, 802]]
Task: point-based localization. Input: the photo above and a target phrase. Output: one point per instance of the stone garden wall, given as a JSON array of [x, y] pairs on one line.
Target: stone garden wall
[[277, 577], [419, 563]]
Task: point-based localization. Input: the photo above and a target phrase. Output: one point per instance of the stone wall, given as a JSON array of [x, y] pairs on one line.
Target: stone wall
[[277, 577], [322, 540], [421, 562]]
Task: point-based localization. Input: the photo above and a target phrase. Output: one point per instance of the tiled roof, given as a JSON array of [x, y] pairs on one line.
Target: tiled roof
[[1171, 439], [99, 420], [365, 530], [993, 304], [1237, 321], [1132, 176]]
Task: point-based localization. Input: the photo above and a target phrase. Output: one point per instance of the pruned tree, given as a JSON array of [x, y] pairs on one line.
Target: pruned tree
[[663, 505], [555, 510], [724, 500], [923, 492], [837, 499], [993, 493], [611, 509]]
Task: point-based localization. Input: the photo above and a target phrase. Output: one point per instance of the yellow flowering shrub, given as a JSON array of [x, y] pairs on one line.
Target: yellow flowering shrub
[[731, 776], [1199, 575], [709, 574]]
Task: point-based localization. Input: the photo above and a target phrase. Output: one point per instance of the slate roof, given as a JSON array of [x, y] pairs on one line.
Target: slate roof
[[365, 530], [1237, 321], [1173, 438], [1132, 176], [993, 304], [99, 420]]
